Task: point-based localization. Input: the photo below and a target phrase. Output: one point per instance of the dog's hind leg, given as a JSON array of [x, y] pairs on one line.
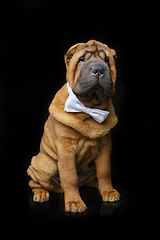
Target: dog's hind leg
[[40, 194], [42, 171]]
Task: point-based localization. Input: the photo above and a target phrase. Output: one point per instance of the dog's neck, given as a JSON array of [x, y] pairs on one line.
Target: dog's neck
[[73, 104], [102, 106], [86, 126]]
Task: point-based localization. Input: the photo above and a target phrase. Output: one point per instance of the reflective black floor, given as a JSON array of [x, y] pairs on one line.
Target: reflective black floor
[[132, 204]]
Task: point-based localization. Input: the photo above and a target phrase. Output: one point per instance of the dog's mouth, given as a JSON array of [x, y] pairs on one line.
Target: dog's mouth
[[95, 95]]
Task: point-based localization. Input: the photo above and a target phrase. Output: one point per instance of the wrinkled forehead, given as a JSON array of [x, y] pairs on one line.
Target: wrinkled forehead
[[94, 49]]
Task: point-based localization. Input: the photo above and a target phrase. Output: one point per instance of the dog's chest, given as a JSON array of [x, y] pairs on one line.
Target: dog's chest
[[87, 151]]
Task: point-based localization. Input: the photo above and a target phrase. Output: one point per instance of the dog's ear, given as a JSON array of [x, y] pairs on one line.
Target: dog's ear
[[70, 52], [113, 52]]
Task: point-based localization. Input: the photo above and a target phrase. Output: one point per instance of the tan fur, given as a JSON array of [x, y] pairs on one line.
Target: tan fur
[[75, 149]]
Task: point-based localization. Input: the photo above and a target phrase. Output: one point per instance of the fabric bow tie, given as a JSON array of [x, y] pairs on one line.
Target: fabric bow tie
[[72, 104]]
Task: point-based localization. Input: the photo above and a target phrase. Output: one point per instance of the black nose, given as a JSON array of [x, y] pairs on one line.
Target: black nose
[[98, 71]]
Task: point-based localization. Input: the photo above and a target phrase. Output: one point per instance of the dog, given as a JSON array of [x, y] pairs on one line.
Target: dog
[[76, 145]]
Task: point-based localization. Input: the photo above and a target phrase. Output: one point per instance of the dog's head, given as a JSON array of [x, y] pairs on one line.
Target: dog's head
[[91, 71]]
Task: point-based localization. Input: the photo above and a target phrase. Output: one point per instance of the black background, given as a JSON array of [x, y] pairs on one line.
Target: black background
[[34, 36]]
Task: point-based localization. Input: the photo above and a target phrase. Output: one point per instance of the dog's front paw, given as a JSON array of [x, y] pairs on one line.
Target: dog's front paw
[[40, 195], [111, 196], [75, 206]]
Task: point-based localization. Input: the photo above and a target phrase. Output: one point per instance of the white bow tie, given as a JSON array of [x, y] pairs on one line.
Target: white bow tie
[[74, 105]]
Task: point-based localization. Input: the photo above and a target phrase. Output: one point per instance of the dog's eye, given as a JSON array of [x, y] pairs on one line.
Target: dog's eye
[[106, 60], [81, 59]]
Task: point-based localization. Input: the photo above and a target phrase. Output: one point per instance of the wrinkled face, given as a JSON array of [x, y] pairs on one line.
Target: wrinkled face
[[93, 81], [92, 78]]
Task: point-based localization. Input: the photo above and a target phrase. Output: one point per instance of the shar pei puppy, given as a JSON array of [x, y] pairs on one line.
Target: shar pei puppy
[[76, 145]]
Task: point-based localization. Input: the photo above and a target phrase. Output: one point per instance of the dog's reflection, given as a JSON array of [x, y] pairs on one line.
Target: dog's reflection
[[55, 206], [50, 209], [107, 209], [95, 204]]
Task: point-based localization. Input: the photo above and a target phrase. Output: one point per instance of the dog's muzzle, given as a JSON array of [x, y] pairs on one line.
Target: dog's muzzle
[[95, 83]]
